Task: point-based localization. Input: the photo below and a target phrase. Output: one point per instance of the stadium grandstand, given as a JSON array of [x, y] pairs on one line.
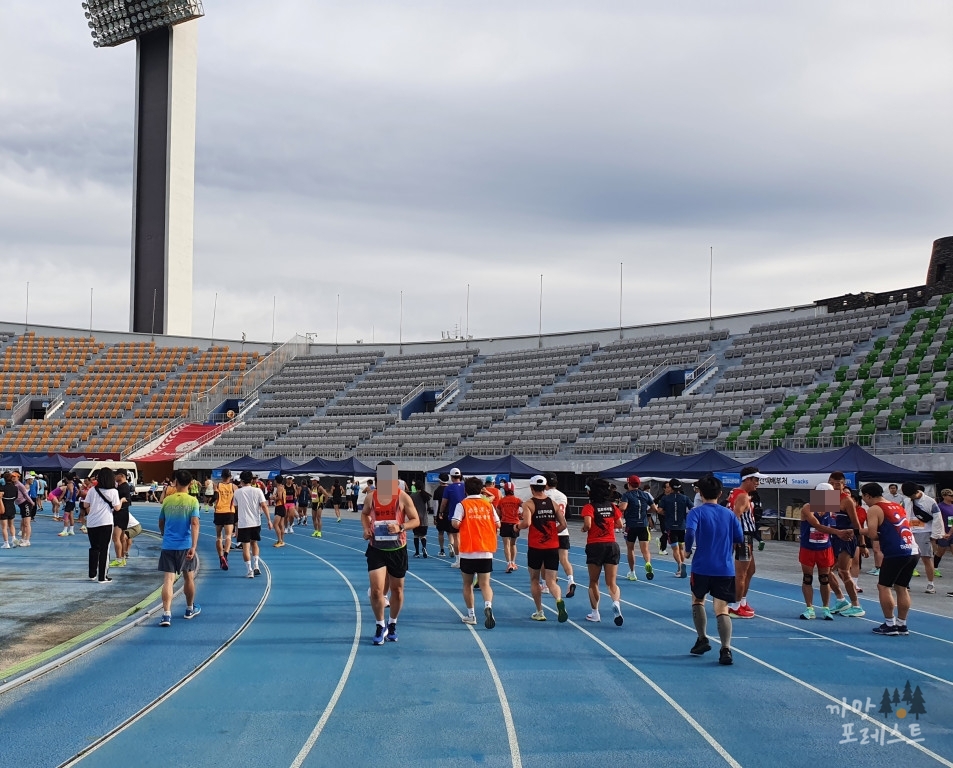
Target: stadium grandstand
[[874, 370]]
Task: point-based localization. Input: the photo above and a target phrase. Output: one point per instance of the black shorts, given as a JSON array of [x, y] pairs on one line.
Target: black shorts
[[602, 553], [539, 559], [639, 533], [121, 519], [394, 560], [9, 510], [676, 536], [719, 587], [748, 549], [225, 518], [471, 565], [509, 530], [563, 542], [249, 534], [839, 546], [279, 511], [175, 561], [444, 525], [69, 506], [897, 571], [28, 510], [420, 531], [315, 506]]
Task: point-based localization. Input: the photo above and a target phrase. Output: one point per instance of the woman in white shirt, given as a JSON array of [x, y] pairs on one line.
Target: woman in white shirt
[[100, 503]]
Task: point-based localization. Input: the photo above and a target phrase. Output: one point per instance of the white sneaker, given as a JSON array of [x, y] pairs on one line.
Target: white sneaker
[[469, 619], [545, 589], [63, 533], [249, 575], [931, 589], [594, 616], [25, 543], [631, 576], [72, 532], [454, 565], [6, 545], [15, 542]]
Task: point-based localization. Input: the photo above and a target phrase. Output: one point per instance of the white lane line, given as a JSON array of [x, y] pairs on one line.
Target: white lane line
[[84, 753], [515, 756], [339, 689], [497, 682], [647, 680]]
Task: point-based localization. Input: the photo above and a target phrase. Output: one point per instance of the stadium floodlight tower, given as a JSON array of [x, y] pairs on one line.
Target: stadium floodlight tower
[[164, 171]]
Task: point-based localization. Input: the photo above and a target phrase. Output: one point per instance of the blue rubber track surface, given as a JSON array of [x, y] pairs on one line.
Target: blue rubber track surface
[[299, 682]]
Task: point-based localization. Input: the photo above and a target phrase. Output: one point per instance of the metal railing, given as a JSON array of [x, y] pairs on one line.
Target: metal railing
[[21, 409], [239, 385], [55, 404], [703, 367]]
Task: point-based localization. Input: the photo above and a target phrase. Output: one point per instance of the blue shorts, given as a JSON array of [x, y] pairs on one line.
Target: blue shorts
[[840, 546]]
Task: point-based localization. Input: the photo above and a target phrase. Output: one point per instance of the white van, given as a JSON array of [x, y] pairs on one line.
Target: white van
[[84, 469]]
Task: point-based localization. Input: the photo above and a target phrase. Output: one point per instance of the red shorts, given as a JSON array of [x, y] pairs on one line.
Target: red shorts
[[822, 558]]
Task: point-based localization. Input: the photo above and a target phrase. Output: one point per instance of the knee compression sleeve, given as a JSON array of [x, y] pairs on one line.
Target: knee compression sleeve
[[824, 579], [807, 579]]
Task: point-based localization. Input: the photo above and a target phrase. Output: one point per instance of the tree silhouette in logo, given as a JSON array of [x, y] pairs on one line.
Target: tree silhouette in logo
[[896, 696], [907, 693], [885, 708], [916, 704]]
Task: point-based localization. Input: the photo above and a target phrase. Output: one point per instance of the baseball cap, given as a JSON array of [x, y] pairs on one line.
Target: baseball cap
[[456, 472], [507, 486], [750, 472], [537, 480], [444, 477], [489, 479], [824, 487], [634, 480]]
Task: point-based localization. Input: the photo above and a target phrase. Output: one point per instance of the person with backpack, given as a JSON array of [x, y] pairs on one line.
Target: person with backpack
[[636, 505], [921, 511], [674, 506]]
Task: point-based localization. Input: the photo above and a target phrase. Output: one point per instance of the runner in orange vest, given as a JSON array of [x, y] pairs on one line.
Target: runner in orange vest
[[475, 519]]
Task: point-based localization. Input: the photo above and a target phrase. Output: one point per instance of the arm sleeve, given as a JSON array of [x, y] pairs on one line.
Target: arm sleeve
[[458, 513], [690, 525]]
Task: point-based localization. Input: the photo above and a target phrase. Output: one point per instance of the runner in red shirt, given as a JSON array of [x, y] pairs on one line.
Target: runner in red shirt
[[600, 520], [510, 507], [544, 521]]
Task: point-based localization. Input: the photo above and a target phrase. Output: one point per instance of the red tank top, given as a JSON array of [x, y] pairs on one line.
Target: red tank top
[[380, 516], [543, 525]]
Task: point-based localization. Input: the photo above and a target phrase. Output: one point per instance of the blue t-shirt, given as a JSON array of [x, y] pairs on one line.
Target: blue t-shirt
[[716, 529], [453, 494], [637, 506], [178, 509], [675, 506]]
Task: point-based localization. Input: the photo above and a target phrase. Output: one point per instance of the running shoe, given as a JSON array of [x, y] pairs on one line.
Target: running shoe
[[544, 588], [115, 563], [826, 614], [884, 629], [840, 605], [392, 632], [916, 572], [488, 620], [338, 520], [701, 646], [191, 613], [724, 657], [631, 576], [425, 555], [561, 611], [379, 635], [105, 580], [454, 565], [315, 535], [739, 614], [808, 613], [931, 589], [83, 528], [873, 572], [746, 611], [937, 573], [6, 545], [249, 575], [902, 629], [24, 542], [572, 589], [510, 569], [319, 534], [469, 619], [649, 571], [258, 572], [680, 572], [441, 554], [417, 555], [279, 543], [617, 615], [760, 546], [854, 612], [223, 562], [72, 532], [538, 616], [166, 620], [452, 551], [593, 616], [63, 533]]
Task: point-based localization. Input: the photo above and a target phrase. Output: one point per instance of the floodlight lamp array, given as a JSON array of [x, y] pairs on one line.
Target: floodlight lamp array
[[113, 22]]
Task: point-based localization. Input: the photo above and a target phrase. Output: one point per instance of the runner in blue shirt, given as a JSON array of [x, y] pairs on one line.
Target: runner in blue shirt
[[717, 530]]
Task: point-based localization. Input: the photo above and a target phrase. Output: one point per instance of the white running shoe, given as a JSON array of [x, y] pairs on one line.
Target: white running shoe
[[594, 616], [6, 545], [469, 620]]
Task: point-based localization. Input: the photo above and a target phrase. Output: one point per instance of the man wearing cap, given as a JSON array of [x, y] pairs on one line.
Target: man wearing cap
[[635, 505], [922, 510], [510, 508], [544, 521], [561, 502], [674, 506], [491, 492], [453, 494], [739, 501], [250, 505]]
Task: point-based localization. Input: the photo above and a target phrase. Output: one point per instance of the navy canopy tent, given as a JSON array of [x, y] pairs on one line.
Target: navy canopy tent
[[344, 468], [49, 462], [659, 465], [505, 465], [276, 464], [853, 458]]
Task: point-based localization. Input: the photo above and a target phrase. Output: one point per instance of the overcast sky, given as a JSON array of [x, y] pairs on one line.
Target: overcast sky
[[367, 148]]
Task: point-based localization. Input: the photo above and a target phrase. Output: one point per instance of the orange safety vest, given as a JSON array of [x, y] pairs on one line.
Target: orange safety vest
[[478, 527]]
